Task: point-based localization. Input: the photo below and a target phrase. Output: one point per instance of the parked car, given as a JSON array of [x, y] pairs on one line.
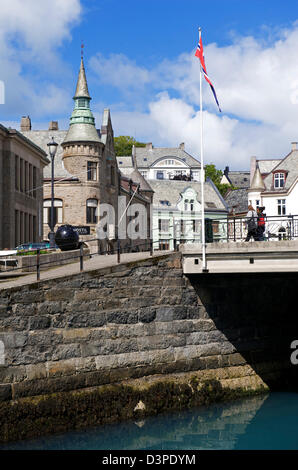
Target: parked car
[[34, 246]]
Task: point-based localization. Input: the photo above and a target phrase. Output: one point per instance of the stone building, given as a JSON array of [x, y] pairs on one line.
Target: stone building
[[21, 189], [86, 171]]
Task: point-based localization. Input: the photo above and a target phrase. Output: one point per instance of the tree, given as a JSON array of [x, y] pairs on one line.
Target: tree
[[216, 175], [123, 144]]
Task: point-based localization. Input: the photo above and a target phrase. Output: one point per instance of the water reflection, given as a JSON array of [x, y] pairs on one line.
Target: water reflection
[[263, 422]]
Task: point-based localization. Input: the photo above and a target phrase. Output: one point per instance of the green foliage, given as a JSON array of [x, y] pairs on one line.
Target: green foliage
[[123, 144], [216, 175]]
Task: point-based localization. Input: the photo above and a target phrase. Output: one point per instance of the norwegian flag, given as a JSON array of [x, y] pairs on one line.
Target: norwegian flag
[[200, 54]]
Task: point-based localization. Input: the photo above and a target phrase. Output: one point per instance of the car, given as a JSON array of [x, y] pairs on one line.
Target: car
[[34, 246]]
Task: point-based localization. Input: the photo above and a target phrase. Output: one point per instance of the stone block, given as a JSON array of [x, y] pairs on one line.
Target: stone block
[[121, 316], [12, 374], [147, 314], [39, 322], [5, 392], [36, 371], [58, 294], [66, 351], [200, 337], [171, 313]]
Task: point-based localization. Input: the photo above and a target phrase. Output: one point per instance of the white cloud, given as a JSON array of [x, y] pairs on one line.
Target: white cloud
[[30, 33], [256, 84]]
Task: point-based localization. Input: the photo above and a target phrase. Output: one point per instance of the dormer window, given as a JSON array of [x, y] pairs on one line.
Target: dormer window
[[279, 180]]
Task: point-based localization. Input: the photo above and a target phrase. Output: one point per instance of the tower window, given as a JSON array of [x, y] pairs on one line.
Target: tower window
[[91, 171], [91, 214], [81, 103]]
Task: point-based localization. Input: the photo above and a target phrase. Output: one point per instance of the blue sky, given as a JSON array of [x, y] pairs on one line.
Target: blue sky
[[139, 58]]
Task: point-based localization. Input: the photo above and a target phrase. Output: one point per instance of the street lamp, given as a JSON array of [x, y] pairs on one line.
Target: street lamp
[[52, 151]]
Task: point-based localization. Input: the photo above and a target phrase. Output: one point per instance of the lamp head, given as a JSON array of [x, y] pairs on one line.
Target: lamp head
[[52, 147]]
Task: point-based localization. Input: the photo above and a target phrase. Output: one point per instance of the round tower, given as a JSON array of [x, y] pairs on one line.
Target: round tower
[[82, 146]]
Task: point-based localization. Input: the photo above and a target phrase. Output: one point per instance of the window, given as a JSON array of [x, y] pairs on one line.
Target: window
[[169, 162], [257, 203], [279, 180], [196, 226], [81, 103], [144, 173], [91, 213], [163, 225], [164, 244], [186, 204], [91, 171], [159, 175], [34, 182], [165, 203], [191, 202], [281, 206], [21, 175], [16, 172], [47, 206]]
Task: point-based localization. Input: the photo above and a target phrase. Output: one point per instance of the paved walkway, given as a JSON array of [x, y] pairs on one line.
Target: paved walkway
[[96, 262]]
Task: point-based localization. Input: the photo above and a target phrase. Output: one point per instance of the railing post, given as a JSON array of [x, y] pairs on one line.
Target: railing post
[[81, 258], [38, 265], [234, 221], [118, 251], [151, 247]]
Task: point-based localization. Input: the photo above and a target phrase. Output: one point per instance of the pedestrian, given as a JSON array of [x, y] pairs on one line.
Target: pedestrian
[[261, 223], [251, 224]]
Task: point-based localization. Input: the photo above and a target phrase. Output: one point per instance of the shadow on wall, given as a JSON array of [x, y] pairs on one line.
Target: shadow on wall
[[257, 313]]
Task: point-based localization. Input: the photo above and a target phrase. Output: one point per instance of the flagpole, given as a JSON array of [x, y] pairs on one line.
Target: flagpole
[[204, 262]]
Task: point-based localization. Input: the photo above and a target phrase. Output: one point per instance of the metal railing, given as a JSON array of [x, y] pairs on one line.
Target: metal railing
[[280, 227]]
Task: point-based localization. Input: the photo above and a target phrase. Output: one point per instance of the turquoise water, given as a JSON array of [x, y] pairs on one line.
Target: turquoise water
[[262, 422]]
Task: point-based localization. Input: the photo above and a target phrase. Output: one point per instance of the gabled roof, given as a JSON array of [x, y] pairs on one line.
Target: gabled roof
[[168, 190], [289, 164], [145, 157]]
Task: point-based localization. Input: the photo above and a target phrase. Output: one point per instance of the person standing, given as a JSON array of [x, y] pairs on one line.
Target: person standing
[[261, 223], [251, 224]]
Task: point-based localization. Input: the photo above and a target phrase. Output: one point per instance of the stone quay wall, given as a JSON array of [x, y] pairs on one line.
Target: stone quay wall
[[167, 341]]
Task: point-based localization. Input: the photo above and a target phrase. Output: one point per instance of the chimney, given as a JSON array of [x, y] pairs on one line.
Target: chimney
[[53, 126], [181, 146], [294, 145], [25, 124], [149, 146]]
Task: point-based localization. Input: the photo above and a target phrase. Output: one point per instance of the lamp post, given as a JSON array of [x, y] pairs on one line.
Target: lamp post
[[52, 151]]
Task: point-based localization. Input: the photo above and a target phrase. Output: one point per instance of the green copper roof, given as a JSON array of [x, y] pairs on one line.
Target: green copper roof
[[82, 122]]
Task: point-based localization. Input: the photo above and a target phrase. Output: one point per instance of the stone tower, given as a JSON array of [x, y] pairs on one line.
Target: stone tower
[[82, 143]]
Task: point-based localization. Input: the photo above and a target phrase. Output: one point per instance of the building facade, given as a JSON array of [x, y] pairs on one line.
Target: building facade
[[87, 177], [21, 189], [274, 185], [159, 163]]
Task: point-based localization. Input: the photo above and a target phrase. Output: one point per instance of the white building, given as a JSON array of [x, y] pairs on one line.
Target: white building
[[274, 186], [162, 163]]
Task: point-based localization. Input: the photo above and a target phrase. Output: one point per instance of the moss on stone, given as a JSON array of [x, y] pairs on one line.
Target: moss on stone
[[61, 412]]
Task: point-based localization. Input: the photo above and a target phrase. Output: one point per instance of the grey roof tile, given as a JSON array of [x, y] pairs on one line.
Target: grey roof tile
[[169, 190], [146, 157]]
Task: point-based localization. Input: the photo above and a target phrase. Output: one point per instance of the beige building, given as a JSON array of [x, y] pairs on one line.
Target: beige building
[[86, 171], [21, 189]]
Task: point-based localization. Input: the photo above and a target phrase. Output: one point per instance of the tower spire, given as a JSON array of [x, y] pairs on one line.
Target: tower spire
[[82, 86]]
